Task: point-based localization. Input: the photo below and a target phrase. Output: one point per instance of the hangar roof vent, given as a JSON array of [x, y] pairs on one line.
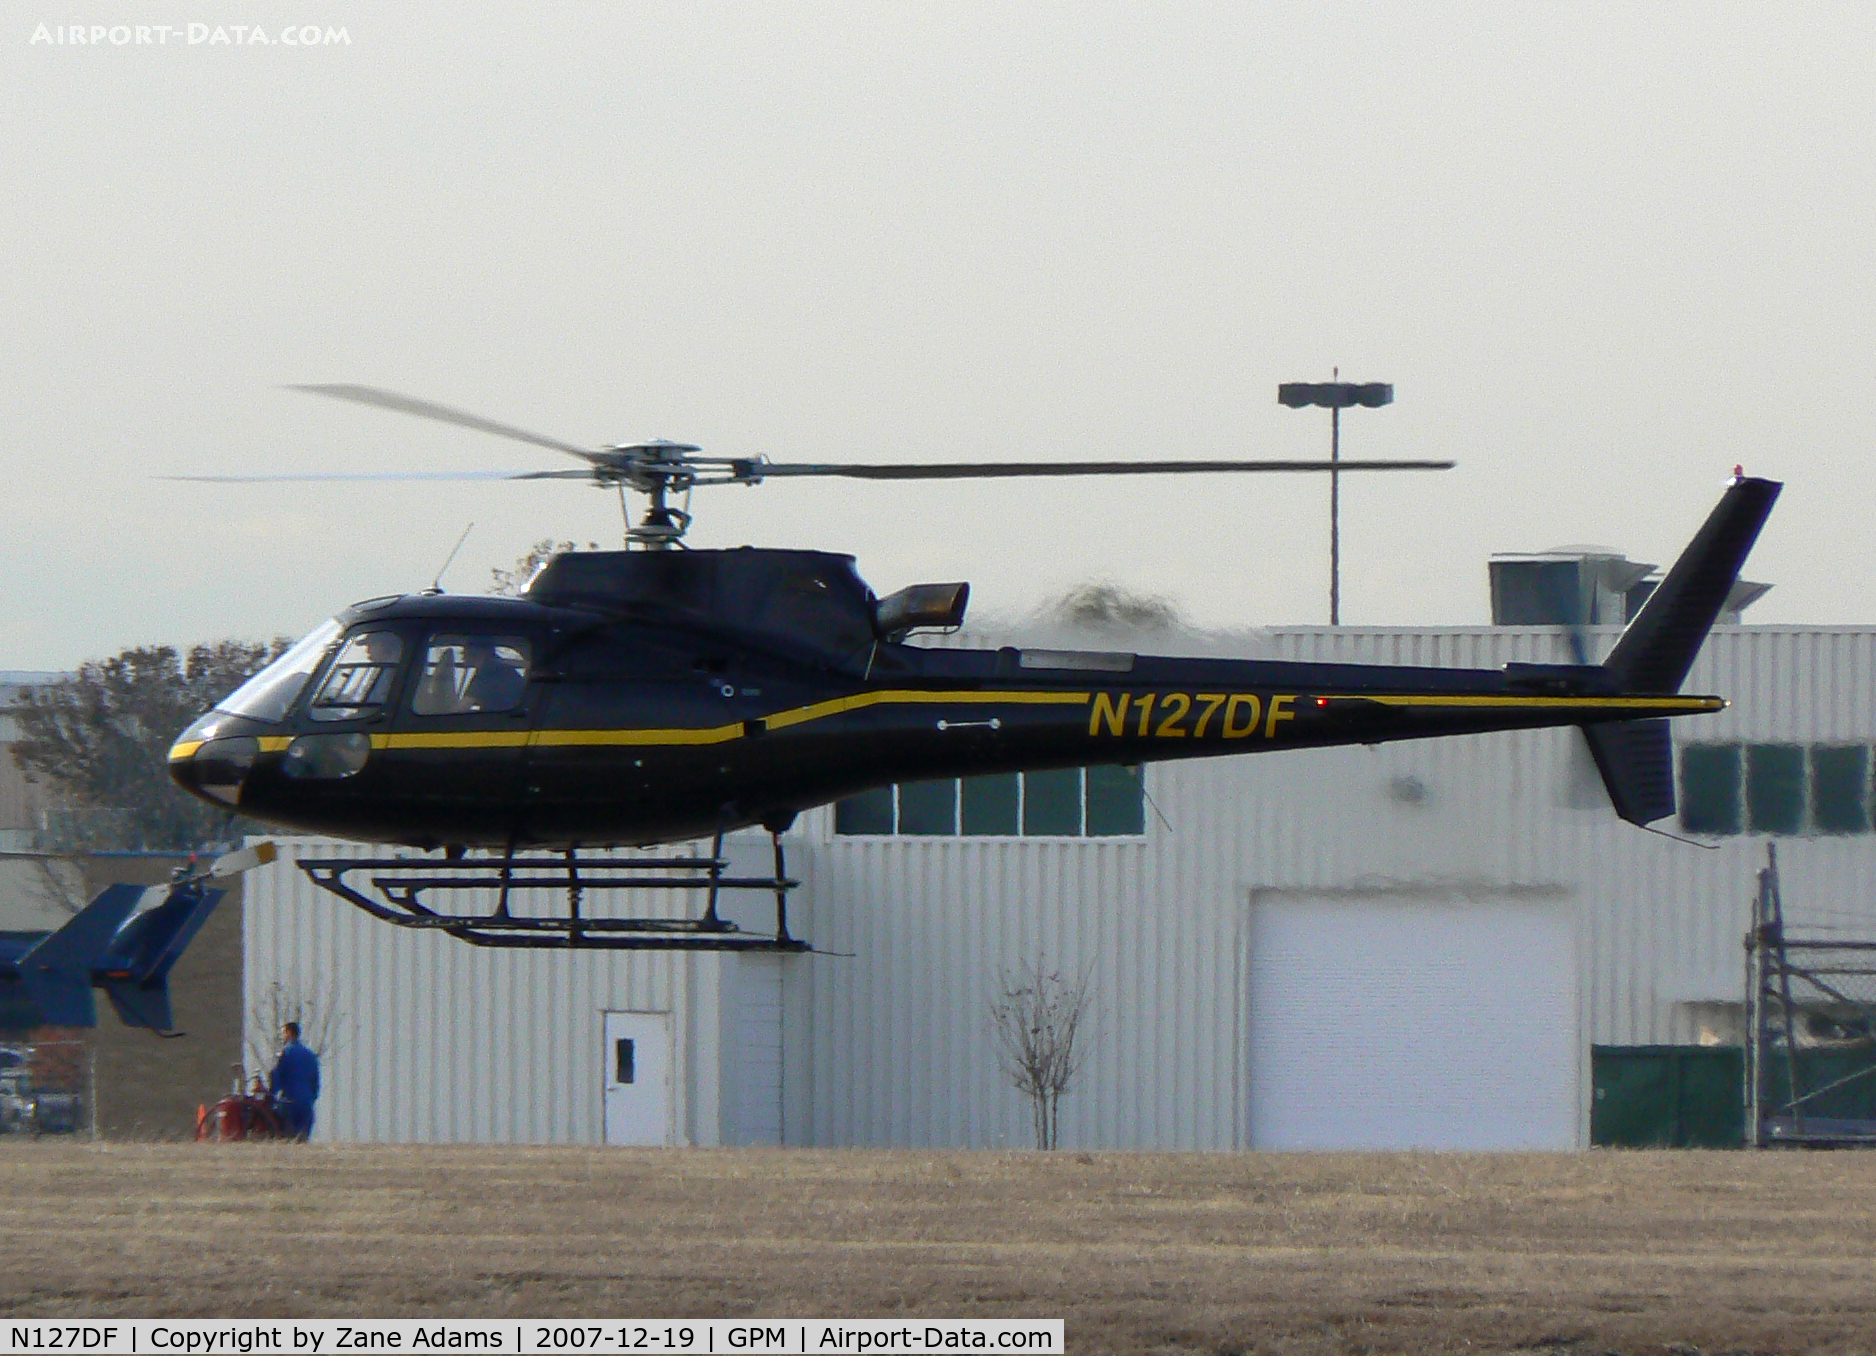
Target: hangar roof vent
[[1585, 586]]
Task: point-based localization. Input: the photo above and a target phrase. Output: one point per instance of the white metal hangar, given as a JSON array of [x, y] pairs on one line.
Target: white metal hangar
[[1411, 945]]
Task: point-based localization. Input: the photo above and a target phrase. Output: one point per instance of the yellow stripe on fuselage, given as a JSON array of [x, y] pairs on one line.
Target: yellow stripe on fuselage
[[1687, 705], [710, 734], [268, 744], [801, 715], [781, 720], [453, 739], [715, 734]]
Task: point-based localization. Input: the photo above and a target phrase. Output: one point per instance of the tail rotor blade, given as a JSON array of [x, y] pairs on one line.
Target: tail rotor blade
[[243, 859]]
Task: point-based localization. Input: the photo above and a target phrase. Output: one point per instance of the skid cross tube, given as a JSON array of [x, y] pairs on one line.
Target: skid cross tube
[[400, 884]]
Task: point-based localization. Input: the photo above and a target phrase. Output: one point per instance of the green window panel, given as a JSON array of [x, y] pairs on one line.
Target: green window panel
[[1775, 788], [928, 807], [1116, 801], [868, 812], [990, 804], [1710, 780], [1066, 803], [1052, 803], [1840, 788]]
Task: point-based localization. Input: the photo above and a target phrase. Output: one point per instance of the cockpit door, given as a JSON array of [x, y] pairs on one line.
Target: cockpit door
[[460, 735], [635, 738]]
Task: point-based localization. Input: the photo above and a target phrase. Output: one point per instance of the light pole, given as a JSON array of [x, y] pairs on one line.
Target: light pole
[[1335, 396]]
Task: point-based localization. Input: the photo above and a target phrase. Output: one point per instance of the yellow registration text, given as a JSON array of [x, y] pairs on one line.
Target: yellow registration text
[[1189, 715]]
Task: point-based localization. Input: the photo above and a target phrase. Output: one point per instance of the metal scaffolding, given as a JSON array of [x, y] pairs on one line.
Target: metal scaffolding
[[1810, 1031]]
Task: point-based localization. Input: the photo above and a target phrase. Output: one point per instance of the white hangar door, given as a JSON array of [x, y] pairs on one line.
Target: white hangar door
[[1404, 1023], [638, 1077]]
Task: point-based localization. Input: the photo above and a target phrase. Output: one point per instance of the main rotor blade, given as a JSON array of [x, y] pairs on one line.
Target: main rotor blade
[[971, 470], [429, 409], [391, 475]]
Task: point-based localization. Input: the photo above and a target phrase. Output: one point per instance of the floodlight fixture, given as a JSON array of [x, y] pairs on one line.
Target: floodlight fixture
[[1335, 395]]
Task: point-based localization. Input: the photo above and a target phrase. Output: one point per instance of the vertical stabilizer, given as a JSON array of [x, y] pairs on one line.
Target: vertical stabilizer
[[141, 1004], [137, 968], [1658, 648], [1636, 757], [152, 941], [1636, 760]]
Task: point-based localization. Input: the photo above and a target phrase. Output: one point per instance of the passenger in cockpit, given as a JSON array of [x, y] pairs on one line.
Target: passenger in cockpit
[[497, 684]]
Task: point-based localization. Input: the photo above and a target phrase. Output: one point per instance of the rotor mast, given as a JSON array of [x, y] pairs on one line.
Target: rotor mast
[[657, 470]]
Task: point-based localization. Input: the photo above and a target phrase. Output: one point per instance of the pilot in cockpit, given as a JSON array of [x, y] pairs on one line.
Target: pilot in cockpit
[[496, 684]]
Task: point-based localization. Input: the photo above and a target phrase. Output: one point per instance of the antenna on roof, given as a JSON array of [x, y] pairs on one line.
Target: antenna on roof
[[436, 585]]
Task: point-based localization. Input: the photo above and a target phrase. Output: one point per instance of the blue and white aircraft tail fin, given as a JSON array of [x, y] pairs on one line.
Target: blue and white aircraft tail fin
[[135, 968], [57, 971]]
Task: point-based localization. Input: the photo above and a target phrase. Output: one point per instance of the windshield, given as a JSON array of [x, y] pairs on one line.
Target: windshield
[[269, 693], [359, 682]]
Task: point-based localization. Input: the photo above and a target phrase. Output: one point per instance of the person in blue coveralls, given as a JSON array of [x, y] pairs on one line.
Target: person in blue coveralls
[[295, 1083]]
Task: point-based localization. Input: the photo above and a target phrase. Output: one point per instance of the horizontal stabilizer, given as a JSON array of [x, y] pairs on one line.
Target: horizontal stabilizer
[[1658, 648], [1636, 760]]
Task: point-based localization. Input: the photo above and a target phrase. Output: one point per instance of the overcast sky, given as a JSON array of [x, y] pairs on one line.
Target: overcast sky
[[1603, 252]]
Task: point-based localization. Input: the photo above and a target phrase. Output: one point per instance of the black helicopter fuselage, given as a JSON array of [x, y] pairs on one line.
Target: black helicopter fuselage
[[641, 697]]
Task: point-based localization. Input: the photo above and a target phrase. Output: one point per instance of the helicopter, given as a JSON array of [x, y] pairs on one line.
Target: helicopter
[[660, 694]]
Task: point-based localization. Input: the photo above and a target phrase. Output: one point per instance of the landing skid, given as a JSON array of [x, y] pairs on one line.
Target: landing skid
[[402, 882]]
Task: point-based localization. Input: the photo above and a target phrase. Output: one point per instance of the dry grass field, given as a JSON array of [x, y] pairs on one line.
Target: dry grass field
[[1582, 1253]]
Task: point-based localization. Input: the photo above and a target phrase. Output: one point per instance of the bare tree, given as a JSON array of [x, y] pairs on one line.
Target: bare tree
[[511, 583], [61, 883], [1109, 607], [1036, 1016], [316, 1011]]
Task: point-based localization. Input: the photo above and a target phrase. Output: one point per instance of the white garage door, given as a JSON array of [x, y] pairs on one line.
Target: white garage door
[[1395, 1023]]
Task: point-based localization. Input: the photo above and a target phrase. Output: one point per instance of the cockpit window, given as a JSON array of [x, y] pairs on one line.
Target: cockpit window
[[463, 675], [359, 681], [270, 694]]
